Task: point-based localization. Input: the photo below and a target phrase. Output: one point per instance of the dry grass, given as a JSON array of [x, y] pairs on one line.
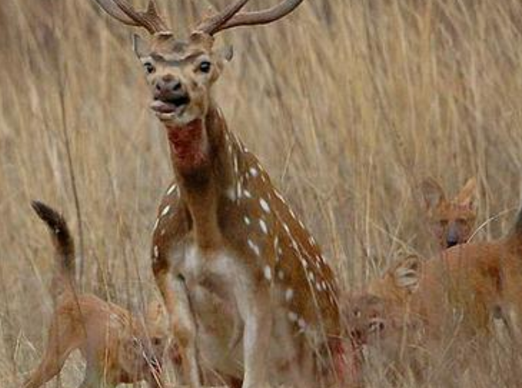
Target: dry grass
[[348, 104]]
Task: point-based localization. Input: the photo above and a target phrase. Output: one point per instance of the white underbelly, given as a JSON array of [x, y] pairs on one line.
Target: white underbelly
[[212, 283]]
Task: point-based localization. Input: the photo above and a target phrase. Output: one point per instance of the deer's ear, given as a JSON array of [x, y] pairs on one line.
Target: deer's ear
[[226, 53], [467, 195], [432, 193], [140, 46]]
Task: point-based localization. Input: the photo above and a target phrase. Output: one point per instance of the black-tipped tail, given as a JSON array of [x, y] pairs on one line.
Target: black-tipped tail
[[61, 237]]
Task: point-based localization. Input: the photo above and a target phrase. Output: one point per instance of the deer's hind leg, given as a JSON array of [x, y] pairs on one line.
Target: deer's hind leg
[[63, 338]]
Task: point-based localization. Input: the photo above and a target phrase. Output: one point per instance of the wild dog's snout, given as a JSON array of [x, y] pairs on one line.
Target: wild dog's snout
[[452, 237]]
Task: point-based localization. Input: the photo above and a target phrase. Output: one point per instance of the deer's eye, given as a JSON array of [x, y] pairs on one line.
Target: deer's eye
[[149, 67], [205, 66]]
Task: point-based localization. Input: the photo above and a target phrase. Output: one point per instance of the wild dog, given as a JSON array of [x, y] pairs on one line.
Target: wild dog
[[118, 347], [451, 221], [385, 335], [462, 289]]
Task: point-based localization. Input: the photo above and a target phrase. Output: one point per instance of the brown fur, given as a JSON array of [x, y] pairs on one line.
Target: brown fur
[[227, 245], [451, 221], [117, 346], [384, 334], [247, 289], [462, 289]]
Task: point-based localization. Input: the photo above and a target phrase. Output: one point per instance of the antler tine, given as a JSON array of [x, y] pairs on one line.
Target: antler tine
[[125, 13], [260, 17], [211, 25]]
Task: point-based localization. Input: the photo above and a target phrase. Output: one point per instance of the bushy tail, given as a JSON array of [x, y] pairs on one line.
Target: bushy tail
[[64, 245]]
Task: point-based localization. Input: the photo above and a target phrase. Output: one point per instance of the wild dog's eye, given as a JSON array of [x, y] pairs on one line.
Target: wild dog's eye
[[149, 67], [205, 66]]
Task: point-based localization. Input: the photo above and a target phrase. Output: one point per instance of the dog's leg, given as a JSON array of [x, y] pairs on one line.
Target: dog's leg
[[60, 344]]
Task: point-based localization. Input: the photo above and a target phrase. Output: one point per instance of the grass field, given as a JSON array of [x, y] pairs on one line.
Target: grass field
[[348, 103]]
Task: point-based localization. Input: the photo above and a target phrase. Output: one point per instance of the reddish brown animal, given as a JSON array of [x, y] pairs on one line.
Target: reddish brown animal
[[248, 290], [118, 347], [462, 289], [451, 221]]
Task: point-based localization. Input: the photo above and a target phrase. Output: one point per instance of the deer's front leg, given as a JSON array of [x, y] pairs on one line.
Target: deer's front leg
[[183, 324], [255, 309]]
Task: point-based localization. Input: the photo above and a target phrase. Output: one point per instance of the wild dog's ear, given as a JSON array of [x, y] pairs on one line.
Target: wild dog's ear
[[467, 194], [432, 193], [406, 273]]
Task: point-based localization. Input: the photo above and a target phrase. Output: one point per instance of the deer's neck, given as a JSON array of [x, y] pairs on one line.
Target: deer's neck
[[203, 168]]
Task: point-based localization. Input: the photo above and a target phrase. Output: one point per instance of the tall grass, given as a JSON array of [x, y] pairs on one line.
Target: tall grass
[[348, 103]]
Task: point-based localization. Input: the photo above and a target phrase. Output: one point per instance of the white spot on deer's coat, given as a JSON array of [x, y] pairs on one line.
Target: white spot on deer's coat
[[236, 166], [268, 273], [156, 223], [156, 252], [264, 205], [247, 220], [165, 211], [253, 172], [301, 323], [171, 189], [247, 194], [254, 247], [289, 294], [278, 195], [231, 194], [263, 226], [238, 189]]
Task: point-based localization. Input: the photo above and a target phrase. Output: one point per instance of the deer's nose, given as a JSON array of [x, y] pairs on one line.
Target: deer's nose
[[168, 84]]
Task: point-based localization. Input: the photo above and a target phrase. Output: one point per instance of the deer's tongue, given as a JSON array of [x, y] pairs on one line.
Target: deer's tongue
[[186, 143], [162, 106]]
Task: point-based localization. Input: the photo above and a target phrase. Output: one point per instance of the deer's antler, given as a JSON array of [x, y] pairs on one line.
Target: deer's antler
[[229, 17], [125, 13]]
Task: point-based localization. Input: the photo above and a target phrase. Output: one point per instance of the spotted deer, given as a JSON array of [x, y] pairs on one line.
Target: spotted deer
[[451, 220], [245, 284]]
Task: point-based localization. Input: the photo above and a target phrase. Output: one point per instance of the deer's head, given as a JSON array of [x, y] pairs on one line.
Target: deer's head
[[181, 72]]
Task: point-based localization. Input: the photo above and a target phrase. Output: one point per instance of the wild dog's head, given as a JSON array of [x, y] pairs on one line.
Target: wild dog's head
[[451, 221]]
